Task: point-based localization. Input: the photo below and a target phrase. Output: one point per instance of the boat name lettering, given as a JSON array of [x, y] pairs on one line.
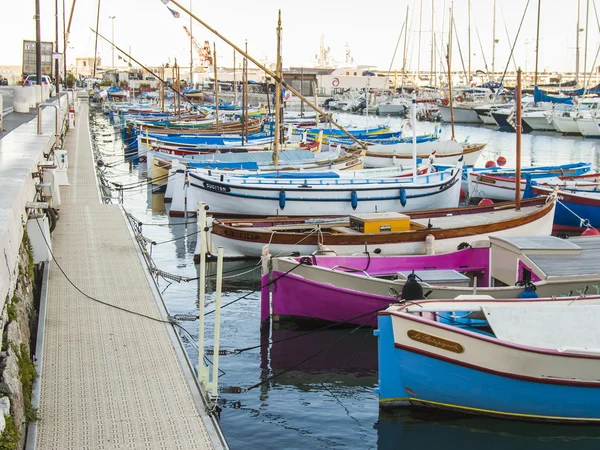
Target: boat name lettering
[[238, 234], [215, 187], [435, 341]]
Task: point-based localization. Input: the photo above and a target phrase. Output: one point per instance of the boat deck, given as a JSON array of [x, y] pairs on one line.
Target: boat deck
[[110, 379], [560, 265]]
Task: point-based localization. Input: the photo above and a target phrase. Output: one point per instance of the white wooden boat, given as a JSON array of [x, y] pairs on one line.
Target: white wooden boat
[[308, 195], [448, 227]]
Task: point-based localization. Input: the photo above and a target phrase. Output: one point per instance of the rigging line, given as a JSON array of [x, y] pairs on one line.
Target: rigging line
[[396, 49], [316, 330], [89, 296], [175, 239], [512, 49], [485, 64], [462, 61], [272, 377], [262, 287]]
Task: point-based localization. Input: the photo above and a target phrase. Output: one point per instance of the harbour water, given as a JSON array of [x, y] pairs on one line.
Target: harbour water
[[306, 388]]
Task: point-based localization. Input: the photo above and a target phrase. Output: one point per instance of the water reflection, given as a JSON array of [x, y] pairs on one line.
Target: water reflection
[[426, 429]]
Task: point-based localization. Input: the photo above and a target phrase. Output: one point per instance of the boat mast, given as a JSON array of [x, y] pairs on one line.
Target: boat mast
[[234, 83], [404, 56], [246, 102], [494, 44], [518, 127], [95, 42], [585, 50], [537, 43], [431, 65], [577, 45], [419, 44], [191, 52], [449, 60], [277, 93], [469, 41], [216, 84]]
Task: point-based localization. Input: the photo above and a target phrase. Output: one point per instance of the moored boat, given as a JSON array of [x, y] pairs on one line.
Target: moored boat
[[449, 227], [518, 359]]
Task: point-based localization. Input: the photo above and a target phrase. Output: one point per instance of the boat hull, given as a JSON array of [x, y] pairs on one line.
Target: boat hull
[[248, 242], [589, 126], [461, 115], [258, 198], [472, 375]]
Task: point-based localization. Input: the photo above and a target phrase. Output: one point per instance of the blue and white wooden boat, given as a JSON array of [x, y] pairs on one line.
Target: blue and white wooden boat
[[499, 184], [576, 210], [519, 359], [316, 196]]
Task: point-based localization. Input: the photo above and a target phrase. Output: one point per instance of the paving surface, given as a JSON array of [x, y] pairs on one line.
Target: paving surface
[[110, 379]]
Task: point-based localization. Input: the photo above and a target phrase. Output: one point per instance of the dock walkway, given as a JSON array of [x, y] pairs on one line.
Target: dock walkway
[[110, 379]]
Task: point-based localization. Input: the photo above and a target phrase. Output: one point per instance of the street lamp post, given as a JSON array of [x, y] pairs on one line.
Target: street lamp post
[[113, 40]]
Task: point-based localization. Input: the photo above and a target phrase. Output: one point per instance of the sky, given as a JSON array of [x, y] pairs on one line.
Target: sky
[[369, 30]]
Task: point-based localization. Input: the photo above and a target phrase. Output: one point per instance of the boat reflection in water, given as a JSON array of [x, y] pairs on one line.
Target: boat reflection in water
[[430, 429], [305, 358]]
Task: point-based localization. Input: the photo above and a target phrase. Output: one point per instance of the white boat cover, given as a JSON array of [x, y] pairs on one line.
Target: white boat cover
[[559, 327]]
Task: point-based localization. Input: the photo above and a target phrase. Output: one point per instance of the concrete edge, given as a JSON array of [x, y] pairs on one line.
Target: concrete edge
[[31, 438], [212, 425]]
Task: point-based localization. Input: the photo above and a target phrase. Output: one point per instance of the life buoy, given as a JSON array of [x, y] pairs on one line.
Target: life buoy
[[335, 82], [445, 102], [459, 99]]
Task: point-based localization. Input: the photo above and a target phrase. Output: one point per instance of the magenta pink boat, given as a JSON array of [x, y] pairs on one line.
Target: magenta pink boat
[[352, 289]]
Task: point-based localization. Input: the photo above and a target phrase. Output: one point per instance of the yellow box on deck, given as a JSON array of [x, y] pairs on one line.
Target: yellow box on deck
[[380, 222]]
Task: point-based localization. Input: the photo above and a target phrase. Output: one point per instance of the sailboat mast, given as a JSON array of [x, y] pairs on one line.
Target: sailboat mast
[[537, 43], [449, 60], [518, 127], [419, 44], [95, 42], [234, 82], [585, 50], [404, 56], [277, 93], [191, 51], [577, 45], [469, 40], [431, 65], [216, 85], [494, 43]]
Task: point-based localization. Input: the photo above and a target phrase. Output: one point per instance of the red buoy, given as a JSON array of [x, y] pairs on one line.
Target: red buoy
[[463, 194], [486, 201], [490, 164], [501, 161], [590, 232]]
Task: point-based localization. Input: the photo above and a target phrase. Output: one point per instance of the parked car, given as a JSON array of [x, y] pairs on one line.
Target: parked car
[[30, 80]]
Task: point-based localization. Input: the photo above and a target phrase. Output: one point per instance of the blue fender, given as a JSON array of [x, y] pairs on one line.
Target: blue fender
[[282, 199], [354, 199], [402, 196]]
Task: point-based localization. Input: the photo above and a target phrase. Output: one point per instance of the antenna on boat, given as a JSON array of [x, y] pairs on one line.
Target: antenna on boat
[[518, 128]]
